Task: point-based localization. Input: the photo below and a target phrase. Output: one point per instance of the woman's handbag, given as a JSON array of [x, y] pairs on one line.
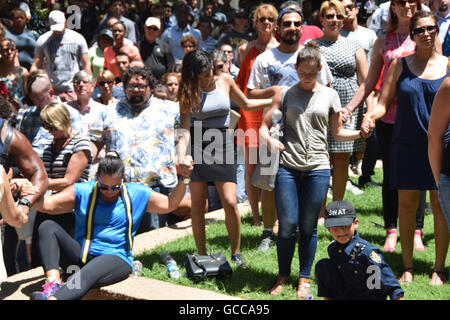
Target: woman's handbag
[[200, 267]]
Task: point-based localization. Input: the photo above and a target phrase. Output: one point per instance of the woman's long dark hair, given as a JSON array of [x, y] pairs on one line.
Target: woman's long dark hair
[[194, 63]]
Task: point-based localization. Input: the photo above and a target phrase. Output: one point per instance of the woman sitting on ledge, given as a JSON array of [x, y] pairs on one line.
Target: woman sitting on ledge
[[107, 214]]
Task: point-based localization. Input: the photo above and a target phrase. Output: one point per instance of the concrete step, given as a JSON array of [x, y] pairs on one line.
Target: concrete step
[[21, 285]]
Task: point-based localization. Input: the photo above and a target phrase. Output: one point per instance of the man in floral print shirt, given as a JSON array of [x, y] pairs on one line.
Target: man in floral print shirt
[[142, 130]]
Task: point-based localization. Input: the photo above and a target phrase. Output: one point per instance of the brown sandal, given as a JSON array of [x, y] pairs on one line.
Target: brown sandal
[[279, 285]]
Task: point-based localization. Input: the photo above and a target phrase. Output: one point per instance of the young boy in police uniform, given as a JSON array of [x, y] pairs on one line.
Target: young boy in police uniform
[[356, 268]]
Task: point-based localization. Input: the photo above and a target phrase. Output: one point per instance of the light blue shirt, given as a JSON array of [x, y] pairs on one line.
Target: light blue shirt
[[173, 37], [109, 234]]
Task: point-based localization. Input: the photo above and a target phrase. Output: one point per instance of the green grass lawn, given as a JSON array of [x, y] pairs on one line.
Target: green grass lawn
[[256, 281]]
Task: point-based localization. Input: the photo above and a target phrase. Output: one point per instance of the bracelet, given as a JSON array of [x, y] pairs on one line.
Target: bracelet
[[349, 113]]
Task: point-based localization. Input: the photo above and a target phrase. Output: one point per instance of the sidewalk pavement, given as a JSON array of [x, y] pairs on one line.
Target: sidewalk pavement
[[20, 286]]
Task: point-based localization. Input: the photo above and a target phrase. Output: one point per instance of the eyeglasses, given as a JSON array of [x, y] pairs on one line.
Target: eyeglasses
[[421, 30], [264, 19], [102, 83], [77, 82], [105, 187], [287, 24], [331, 16], [153, 28], [349, 7], [141, 87], [402, 3]]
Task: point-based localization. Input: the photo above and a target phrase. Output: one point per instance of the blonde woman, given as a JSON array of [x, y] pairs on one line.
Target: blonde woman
[[67, 159], [105, 83]]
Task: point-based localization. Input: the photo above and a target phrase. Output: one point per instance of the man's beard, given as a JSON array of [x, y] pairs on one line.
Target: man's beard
[[136, 100], [291, 40]]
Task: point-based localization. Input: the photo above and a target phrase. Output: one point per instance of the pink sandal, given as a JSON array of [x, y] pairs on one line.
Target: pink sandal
[[418, 244], [391, 241]]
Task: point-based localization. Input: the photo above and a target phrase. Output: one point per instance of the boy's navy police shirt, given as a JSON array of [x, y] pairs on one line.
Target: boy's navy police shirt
[[365, 273]]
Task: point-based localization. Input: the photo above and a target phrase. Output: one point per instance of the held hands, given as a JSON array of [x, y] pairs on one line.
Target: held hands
[[23, 188], [367, 126], [185, 166]]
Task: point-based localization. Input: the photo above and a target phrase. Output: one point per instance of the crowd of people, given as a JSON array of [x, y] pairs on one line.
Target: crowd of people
[[126, 109]]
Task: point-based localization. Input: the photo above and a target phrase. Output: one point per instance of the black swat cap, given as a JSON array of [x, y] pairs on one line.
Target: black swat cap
[[339, 213]]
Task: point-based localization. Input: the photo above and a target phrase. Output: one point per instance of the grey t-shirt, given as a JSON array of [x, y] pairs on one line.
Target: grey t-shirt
[[62, 56], [305, 127]]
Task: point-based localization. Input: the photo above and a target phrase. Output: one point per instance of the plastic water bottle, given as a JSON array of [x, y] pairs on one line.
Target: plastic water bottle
[[275, 130], [306, 295], [266, 81], [171, 265], [137, 268]]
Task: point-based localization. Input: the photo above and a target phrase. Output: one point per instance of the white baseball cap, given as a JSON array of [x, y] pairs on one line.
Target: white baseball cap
[[57, 20], [152, 21]]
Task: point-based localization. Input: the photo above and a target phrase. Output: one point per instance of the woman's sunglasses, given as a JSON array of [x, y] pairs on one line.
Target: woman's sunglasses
[[403, 3], [49, 128], [264, 19], [421, 30], [102, 83], [105, 187], [331, 16]]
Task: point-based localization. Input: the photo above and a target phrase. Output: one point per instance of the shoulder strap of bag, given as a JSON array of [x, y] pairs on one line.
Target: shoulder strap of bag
[[90, 220]]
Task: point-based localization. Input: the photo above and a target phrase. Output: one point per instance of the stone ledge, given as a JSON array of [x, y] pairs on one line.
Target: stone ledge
[[21, 285]]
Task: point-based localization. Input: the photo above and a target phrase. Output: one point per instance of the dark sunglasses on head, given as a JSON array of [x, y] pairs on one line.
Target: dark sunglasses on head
[[102, 83], [421, 30], [264, 19], [105, 187], [403, 3], [287, 24], [331, 16]]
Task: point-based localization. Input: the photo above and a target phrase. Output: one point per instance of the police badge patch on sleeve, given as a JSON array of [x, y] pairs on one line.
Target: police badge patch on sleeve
[[375, 257]]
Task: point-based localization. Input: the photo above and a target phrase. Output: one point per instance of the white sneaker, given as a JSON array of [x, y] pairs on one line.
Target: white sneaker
[[355, 190]]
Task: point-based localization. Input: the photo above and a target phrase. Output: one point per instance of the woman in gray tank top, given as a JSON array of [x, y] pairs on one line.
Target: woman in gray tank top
[[205, 115]]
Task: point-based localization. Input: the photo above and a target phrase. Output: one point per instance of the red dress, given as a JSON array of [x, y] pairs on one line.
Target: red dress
[[249, 119]]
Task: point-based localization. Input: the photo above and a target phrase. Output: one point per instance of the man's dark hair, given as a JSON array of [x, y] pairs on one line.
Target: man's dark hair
[[140, 71], [5, 108], [121, 53]]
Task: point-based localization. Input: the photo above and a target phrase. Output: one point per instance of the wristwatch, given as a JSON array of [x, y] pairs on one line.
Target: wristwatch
[[24, 202], [186, 180]]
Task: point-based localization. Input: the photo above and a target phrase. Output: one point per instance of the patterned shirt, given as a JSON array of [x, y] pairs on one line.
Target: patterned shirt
[[145, 142]]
